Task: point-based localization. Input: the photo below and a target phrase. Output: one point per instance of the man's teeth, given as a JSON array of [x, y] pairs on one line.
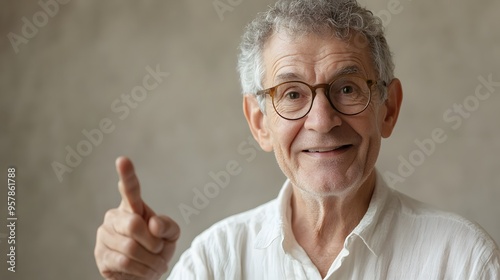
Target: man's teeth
[[325, 149], [322, 150]]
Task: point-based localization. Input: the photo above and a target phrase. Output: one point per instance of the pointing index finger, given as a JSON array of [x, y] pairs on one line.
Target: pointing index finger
[[129, 187]]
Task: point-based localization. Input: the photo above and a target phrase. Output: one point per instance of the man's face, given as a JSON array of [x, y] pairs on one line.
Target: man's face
[[325, 153]]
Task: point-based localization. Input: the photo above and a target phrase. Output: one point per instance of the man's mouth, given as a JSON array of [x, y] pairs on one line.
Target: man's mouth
[[328, 149]]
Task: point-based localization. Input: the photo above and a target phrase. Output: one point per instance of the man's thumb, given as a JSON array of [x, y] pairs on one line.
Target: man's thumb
[[164, 227]]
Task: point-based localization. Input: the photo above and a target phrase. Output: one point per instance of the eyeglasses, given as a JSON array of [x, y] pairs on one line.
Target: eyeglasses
[[348, 95]]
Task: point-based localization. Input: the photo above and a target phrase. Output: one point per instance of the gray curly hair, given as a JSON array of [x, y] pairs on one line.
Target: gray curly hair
[[298, 17]]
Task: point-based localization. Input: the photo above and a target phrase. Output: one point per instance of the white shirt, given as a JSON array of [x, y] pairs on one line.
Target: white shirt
[[398, 238]]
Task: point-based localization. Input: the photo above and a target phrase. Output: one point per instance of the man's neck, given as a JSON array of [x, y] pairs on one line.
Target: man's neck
[[321, 224]]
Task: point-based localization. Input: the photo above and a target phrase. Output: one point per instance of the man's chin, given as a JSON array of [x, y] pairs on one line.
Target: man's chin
[[328, 182], [323, 188]]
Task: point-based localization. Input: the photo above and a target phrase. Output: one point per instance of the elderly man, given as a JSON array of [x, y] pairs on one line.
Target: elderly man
[[320, 92]]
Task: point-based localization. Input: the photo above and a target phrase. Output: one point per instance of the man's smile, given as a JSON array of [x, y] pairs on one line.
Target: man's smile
[[328, 150]]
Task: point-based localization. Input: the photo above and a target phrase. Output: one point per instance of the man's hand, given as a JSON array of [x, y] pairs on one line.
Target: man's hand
[[134, 242]]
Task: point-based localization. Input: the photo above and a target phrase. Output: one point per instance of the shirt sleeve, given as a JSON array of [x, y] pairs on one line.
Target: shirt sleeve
[[212, 255], [191, 265], [491, 269]]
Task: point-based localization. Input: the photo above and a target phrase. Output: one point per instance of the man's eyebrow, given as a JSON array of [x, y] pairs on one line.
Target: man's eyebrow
[[347, 70], [289, 76]]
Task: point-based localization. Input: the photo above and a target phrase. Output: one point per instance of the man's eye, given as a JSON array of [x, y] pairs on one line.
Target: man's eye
[[347, 90], [292, 95]]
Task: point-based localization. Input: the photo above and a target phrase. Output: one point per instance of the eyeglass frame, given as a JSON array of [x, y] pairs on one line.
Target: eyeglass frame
[[272, 90]]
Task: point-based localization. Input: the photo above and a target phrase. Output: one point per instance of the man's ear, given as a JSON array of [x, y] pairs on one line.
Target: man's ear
[[392, 106], [255, 119]]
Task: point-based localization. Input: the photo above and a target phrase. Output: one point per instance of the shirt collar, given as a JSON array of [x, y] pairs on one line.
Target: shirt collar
[[371, 229], [278, 219]]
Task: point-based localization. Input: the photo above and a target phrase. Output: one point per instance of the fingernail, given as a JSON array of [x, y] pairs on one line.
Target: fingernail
[[163, 229]]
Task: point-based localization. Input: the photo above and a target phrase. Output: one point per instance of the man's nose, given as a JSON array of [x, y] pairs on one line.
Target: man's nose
[[322, 117]]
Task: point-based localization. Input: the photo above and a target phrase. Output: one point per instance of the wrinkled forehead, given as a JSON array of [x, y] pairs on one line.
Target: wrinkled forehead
[[313, 56]]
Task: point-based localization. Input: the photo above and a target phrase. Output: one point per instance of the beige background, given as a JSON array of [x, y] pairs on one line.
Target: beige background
[[66, 77]]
